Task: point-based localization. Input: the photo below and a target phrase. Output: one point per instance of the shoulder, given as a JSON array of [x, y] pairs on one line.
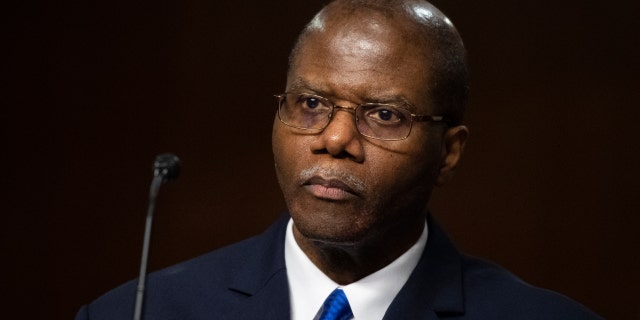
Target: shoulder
[[492, 290], [176, 291]]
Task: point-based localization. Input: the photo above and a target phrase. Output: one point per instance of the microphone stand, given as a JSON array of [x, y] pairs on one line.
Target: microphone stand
[[166, 167], [153, 193]]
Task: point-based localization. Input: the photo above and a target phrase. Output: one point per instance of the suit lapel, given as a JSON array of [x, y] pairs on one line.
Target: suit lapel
[[435, 287], [263, 279], [269, 302]]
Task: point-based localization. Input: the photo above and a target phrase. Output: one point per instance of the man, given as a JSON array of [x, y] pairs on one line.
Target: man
[[369, 123]]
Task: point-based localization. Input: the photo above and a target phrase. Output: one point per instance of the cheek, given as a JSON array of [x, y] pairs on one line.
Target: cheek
[[394, 173], [288, 154], [410, 170]]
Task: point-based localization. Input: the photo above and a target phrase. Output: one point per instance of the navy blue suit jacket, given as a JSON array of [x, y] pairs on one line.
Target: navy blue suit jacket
[[248, 280]]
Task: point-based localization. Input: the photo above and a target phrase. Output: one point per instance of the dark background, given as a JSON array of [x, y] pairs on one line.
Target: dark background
[[548, 186]]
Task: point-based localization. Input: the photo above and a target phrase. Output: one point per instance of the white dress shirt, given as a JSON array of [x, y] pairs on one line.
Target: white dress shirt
[[369, 297]]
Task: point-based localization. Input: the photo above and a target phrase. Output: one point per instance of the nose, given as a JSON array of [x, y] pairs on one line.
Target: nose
[[340, 138]]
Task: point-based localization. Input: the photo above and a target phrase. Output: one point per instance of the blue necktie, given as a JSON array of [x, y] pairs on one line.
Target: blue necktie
[[336, 307]]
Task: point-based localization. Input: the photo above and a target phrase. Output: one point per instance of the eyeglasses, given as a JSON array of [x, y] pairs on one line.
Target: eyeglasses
[[374, 120]]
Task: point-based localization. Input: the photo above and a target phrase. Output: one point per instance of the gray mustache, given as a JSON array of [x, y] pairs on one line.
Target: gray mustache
[[354, 183]]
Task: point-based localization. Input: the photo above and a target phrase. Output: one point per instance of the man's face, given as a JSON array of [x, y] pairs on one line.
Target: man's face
[[340, 186]]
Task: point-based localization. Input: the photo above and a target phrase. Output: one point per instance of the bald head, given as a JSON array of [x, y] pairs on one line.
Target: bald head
[[411, 21]]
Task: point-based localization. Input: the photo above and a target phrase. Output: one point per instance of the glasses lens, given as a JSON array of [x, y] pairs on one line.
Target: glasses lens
[[304, 111], [384, 122]]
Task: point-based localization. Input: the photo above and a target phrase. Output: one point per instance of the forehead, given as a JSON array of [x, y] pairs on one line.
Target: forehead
[[362, 56]]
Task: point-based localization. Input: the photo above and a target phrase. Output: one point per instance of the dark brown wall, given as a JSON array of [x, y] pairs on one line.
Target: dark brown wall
[[548, 187]]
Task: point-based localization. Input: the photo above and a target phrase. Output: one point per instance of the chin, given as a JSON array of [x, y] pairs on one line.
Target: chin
[[333, 238], [345, 230]]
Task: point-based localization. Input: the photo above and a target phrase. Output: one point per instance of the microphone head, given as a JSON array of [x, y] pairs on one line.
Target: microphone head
[[167, 165]]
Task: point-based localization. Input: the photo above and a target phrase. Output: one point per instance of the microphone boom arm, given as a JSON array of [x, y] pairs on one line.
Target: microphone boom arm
[[166, 167]]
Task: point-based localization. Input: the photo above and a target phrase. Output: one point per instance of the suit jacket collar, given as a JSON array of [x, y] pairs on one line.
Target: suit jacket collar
[[434, 288], [263, 278]]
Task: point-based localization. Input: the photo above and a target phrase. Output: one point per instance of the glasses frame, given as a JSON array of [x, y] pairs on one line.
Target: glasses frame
[[334, 108]]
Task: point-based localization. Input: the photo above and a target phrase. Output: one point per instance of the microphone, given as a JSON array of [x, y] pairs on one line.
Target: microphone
[[166, 167]]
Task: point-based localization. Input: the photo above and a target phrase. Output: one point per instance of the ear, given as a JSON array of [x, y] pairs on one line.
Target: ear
[[452, 147]]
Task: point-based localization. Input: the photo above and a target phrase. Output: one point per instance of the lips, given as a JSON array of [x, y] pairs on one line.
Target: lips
[[329, 189]]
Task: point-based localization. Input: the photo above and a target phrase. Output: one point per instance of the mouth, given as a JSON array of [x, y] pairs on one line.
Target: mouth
[[329, 189]]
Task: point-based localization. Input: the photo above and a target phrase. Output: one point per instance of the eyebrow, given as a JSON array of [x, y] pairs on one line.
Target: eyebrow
[[299, 84], [393, 99]]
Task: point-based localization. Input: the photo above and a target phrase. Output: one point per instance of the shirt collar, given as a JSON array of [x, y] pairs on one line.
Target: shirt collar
[[369, 297]]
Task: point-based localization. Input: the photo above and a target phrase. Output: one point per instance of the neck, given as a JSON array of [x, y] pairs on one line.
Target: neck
[[348, 263]]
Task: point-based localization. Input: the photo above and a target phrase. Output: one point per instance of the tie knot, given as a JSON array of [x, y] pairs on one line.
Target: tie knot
[[336, 307]]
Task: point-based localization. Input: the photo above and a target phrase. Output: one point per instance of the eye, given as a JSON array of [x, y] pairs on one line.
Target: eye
[[384, 114], [309, 102]]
